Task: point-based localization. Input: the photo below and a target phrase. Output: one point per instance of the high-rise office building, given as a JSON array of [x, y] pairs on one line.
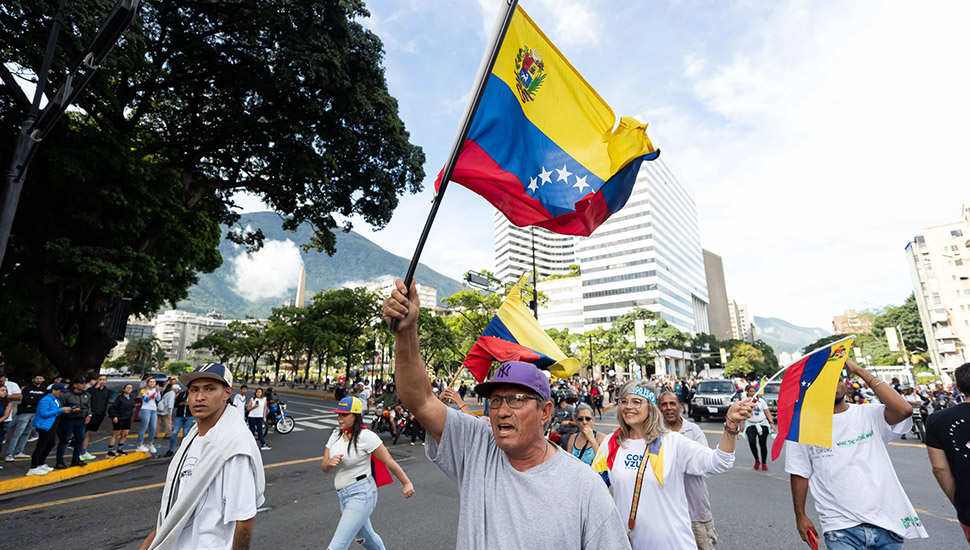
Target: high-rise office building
[[554, 253], [939, 267], [742, 324], [718, 316], [852, 322], [647, 255]]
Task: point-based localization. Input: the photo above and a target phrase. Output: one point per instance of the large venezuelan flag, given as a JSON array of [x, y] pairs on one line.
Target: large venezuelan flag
[[806, 400], [542, 147], [515, 335]]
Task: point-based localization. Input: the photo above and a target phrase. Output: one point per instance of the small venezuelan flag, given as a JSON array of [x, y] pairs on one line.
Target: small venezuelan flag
[[515, 335], [542, 147], [807, 397], [759, 386]]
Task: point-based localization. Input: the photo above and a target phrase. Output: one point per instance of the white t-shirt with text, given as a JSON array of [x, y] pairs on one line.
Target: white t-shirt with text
[[858, 458], [758, 411], [356, 459], [231, 497]]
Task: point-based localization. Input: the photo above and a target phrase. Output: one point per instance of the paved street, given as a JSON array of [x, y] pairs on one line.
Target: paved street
[[116, 509]]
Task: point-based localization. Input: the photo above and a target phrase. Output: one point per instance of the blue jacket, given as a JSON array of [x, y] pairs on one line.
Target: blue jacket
[[47, 411]]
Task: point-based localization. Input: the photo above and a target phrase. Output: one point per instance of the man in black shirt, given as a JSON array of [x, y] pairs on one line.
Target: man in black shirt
[[948, 444], [99, 407]]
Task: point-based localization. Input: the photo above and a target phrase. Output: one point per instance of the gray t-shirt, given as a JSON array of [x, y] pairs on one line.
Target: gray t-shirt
[[698, 501], [560, 504]]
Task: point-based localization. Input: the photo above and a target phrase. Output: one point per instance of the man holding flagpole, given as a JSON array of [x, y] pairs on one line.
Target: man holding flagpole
[[507, 472], [876, 513]]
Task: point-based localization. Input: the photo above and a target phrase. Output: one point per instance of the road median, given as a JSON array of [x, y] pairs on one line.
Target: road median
[[29, 482]]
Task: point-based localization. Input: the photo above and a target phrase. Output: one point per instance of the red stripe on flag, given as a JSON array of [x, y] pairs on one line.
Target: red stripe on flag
[[489, 349], [787, 396]]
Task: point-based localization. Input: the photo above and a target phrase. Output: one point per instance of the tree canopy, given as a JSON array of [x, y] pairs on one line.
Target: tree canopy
[[283, 99]]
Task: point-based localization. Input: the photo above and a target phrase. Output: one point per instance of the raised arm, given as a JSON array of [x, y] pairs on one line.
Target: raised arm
[[897, 409], [413, 386]]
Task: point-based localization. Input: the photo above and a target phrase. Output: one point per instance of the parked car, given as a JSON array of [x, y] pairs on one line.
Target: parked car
[[713, 398], [770, 396]]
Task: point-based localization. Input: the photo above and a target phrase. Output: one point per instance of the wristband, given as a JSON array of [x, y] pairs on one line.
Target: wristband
[[730, 431], [873, 388]]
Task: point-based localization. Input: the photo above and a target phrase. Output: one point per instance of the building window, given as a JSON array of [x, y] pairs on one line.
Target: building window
[[958, 262], [956, 233]]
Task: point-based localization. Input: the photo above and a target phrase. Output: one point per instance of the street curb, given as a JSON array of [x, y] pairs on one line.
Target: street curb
[[29, 482]]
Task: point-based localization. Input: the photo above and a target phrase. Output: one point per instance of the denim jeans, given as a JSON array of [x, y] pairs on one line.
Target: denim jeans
[[357, 502], [256, 426], [21, 431], [70, 427], [863, 537], [148, 420], [179, 423]]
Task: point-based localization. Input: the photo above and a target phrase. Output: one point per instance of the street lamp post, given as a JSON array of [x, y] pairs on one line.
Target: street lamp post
[[40, 122]]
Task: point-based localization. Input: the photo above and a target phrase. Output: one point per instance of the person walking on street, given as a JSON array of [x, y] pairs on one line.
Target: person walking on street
[[655, 501], [6, 409], [164, 410], [583, 445], [948, 445], [256, 414], [758, 427], [698, 499], [23, 423], [121, 412], [72, 424], [148, 415], [349, 453], [878, 517], [239, 401], [508, 474], [215, 482], [46, 420], [99, 408], [182, 420]]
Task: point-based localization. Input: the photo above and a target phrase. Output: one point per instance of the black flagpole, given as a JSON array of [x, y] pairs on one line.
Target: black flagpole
[[485, 69]]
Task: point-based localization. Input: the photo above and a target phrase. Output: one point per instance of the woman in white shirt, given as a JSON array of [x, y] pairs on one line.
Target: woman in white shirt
[[148, 415], [349, 453], [757, 428], [256, 414], [652, 496]]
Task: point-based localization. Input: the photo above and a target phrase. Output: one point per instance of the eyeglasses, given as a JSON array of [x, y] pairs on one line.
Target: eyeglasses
[[632, 403], [584, 418], [514, 400]]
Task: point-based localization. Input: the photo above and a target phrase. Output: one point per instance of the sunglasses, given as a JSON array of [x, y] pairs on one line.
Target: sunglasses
[[584, 418]]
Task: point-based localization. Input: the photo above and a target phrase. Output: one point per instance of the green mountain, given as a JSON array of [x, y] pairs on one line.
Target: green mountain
[[356, 262], [784, 336]]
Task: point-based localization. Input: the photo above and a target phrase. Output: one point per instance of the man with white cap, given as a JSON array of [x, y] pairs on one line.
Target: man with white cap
[[508, 474], [215, 482]]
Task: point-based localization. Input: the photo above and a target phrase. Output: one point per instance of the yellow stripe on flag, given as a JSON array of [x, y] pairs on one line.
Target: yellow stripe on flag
[[527, 332], [565, 107]]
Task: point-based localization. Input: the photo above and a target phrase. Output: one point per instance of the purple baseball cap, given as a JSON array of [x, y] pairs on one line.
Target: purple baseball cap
[[516, 373]]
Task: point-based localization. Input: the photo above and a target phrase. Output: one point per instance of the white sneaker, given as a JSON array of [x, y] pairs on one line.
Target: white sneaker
[[21, 455], [88, 456], [32, 438], [35, 471], [9, 458], [141, 449], [265, 448], [46, 468], [152, 449]]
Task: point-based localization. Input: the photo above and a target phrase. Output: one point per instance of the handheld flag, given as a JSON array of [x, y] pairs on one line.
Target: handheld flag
[[807, 397], [542, 147], [759, 386], [513, 334]]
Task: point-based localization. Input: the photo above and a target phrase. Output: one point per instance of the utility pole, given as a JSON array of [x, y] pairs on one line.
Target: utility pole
[[535, 277]]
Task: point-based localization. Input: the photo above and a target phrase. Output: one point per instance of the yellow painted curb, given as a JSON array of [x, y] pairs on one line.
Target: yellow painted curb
[[29, 482]]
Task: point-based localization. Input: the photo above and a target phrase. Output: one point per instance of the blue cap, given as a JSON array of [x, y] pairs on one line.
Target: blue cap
[[59, 386], [216, 371]]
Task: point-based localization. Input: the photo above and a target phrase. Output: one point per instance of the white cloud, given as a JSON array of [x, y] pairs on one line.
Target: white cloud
[[271, 272], [822, 147], [568, 22]]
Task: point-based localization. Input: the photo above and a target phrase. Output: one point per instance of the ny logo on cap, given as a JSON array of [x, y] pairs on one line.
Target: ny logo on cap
[[503, 371]]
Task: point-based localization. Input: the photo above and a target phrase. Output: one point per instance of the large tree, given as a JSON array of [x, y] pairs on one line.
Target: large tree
[[284, 99]]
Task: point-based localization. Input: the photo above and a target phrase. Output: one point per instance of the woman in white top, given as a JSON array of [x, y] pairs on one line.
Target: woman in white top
[[659, 512], [349, 453], [757, 428], [256, 414], [148, 415]]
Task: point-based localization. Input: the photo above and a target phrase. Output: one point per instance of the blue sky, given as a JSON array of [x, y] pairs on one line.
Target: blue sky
[[816, 137]]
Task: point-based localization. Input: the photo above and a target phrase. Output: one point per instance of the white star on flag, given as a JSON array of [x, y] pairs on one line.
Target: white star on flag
[[581, 183], [532, 185], [564, 174], [544, 176]]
